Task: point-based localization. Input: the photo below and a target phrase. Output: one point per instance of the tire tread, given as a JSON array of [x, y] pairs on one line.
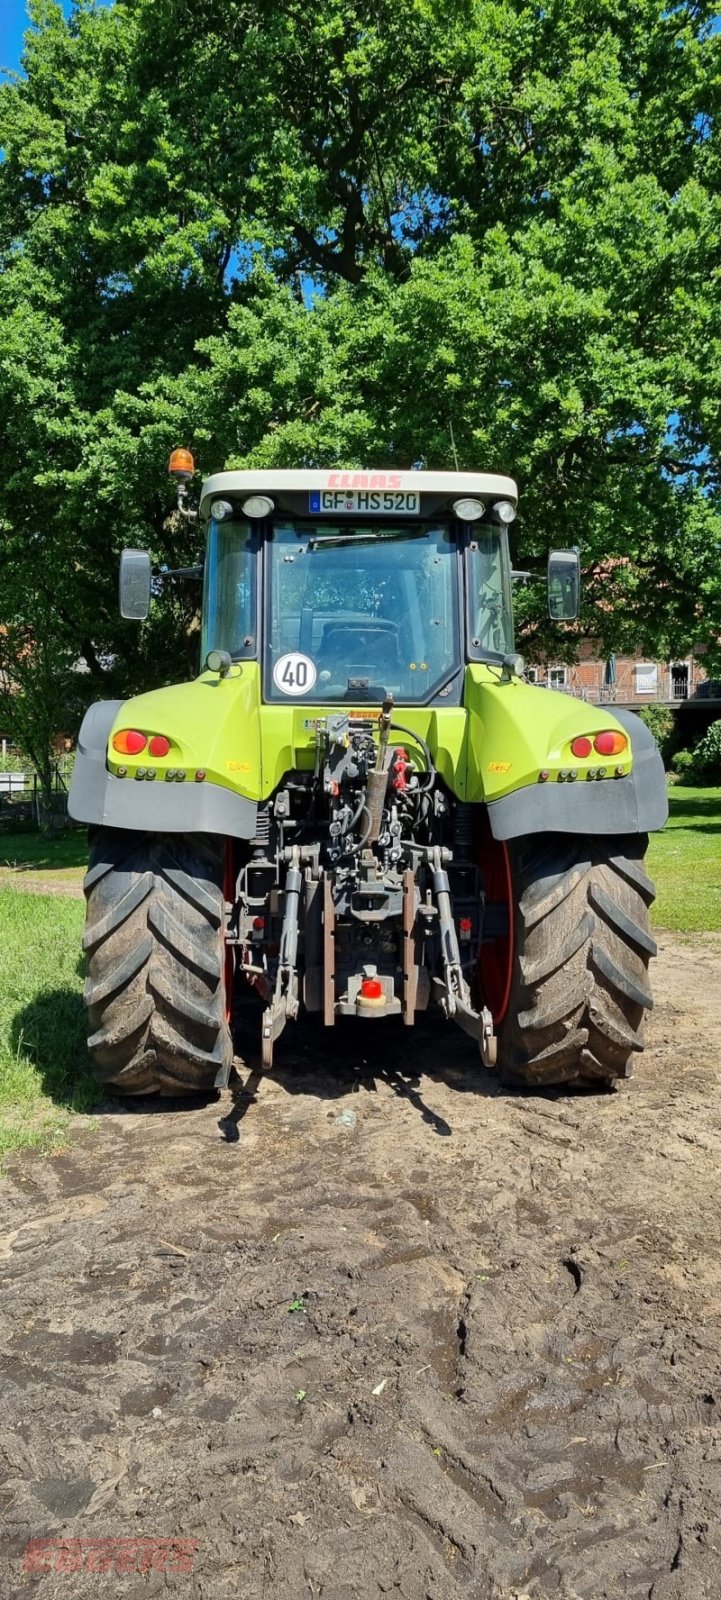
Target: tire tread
[[155, 962], [580, 986]]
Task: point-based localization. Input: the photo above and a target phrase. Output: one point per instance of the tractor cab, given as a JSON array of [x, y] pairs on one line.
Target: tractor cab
[[354, 585], [348, 585]]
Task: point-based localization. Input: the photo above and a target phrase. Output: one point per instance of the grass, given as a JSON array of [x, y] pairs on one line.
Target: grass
[[44, 1070], [59, 860], [685, 862]]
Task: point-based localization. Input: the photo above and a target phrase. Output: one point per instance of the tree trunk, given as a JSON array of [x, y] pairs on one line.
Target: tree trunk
[[48, 818]]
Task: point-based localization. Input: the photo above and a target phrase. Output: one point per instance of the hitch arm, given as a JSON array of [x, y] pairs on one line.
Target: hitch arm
[[455, 983], [452, 990], [284, 1003]]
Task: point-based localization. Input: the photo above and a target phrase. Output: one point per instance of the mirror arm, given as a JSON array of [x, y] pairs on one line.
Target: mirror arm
[[178, 572]]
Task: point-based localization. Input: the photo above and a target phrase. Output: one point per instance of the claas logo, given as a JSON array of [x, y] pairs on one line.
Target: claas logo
[[364, 480]]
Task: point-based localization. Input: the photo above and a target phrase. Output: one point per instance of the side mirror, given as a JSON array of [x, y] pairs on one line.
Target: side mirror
[[564, 585], [134, 585]]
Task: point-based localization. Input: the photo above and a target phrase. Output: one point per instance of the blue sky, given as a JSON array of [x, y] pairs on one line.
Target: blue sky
[[13, 23]]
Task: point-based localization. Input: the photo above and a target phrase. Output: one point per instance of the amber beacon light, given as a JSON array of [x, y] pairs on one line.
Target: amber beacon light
[[181, 465]]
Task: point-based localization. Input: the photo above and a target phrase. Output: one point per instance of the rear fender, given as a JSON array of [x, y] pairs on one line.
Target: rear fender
[[99, 798], [634, 803]]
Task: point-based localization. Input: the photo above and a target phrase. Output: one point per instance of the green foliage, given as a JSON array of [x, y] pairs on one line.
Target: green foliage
[[682, 763], [40, 693], [308, 234], [705, 764], [661, 722]]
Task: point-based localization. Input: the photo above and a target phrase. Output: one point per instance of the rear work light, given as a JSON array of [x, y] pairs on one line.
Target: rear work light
[[610, 744], [469, 510], [129, 742], [158, 745], [258, 505]]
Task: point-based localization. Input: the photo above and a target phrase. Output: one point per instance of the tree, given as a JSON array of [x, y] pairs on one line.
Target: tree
[[40, 697], [298, 234]]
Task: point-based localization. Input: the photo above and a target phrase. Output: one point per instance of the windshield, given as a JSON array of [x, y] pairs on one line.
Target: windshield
[[229, 593], [490, 611], [356, 611]]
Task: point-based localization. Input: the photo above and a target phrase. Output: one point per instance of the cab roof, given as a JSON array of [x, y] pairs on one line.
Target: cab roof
[[486, 486]]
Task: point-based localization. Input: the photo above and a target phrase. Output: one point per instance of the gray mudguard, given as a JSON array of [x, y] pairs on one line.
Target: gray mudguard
[[636, 804], [100, 799]]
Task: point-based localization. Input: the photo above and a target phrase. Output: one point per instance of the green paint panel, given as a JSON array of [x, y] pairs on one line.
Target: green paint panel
[[497, 742], [213, 726], [516, 730]]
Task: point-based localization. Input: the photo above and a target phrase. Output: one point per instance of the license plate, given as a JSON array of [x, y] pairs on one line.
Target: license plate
[[365, 502]]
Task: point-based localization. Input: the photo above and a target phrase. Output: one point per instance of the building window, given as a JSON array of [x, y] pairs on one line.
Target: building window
[[532, 674], [646, 677], [557, 677]]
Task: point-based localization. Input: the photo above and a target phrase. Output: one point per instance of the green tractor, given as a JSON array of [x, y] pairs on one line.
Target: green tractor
[[359, 809]]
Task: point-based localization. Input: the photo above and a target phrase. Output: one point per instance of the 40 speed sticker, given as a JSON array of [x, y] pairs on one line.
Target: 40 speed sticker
[[294, 673]]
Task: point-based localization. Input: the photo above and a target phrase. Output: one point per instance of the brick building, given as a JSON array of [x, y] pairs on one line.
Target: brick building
[[631, 680]]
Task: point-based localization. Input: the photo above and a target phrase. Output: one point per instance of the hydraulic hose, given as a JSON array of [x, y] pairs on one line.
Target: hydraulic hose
[[355, 819]]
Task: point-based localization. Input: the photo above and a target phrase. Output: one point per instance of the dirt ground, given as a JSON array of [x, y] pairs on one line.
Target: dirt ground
[[375, 1328], [41, 884]]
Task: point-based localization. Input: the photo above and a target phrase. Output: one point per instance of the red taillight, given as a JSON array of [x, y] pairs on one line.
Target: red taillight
[[159, 745], [610, 744], [129, 742], [371, 989], [582, 746]]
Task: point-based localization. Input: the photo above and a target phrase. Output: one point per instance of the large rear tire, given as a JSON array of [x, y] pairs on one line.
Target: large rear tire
[[582, 946], [155, 945]]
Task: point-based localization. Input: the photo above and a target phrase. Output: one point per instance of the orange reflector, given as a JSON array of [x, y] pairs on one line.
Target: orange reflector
[[581, 747], [129, 742], [371, 989], [610, 744], [181, 464], [159, 745]]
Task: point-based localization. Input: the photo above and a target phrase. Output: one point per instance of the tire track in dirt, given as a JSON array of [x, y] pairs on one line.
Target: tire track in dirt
[[381, 1328]]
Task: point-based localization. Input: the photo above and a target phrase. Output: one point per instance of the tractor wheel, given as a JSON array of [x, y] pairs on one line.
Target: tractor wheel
[[155, 946], [579, 982]]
